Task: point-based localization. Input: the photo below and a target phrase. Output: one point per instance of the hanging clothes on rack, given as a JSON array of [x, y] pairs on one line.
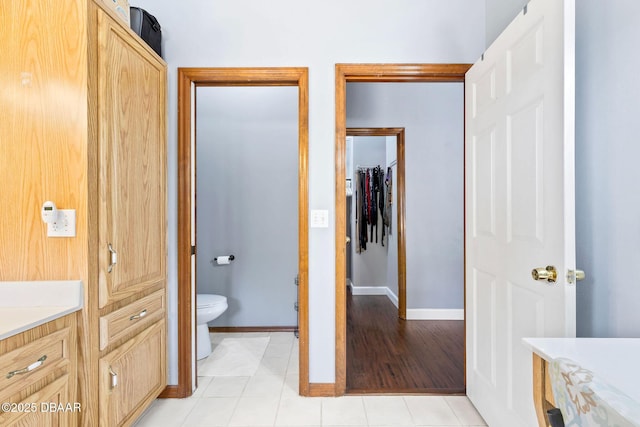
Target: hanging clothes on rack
[[381, 203], [370, 205], [365, 210], [373, 213], [387, 217], [368, 193], [358, 207], [362, 209]]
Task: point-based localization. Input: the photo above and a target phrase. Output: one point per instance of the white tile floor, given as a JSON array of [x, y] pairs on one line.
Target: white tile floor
[[270, 398]]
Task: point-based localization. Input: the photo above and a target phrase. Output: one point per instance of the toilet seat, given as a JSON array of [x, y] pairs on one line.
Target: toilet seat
[[209, 300]]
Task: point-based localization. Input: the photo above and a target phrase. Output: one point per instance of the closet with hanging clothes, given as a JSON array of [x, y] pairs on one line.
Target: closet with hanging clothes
[[369, 215]]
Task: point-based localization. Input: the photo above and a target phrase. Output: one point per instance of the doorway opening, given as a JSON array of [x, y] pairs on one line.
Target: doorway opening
[[189, 79], [396, 179], [246, 208], [370, 73]]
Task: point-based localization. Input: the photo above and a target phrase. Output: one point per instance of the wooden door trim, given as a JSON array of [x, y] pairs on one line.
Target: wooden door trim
[[207, 77], [372, 73], [400, 200]]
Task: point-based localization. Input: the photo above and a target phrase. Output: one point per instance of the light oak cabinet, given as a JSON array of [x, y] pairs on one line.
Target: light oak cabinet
[[38, 376], [131, 107], [85, 98]]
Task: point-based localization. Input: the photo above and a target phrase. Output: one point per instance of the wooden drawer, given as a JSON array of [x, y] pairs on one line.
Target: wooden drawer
[[132, 376], [41, 357], [39, 409], [132, 318]]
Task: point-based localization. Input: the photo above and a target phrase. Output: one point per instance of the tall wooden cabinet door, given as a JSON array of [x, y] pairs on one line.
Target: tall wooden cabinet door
[[132, 164]]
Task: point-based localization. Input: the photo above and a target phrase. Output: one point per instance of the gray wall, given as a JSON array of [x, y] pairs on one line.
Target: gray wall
[[245, 33], [247, 201], [280, 33], [607, 173], [607, 153], [369, 267], [499, 14], [433, 117]]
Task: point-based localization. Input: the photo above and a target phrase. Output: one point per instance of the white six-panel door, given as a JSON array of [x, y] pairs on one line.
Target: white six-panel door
[[519, 205]]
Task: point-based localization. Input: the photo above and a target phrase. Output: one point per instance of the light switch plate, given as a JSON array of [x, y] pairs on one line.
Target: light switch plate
[[65, 224], [319, 218]]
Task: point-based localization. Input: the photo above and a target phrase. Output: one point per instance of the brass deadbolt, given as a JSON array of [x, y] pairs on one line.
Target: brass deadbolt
[[574, 275]]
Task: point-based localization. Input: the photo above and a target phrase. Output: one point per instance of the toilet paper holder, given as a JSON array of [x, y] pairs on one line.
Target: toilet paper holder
[[226, 260]]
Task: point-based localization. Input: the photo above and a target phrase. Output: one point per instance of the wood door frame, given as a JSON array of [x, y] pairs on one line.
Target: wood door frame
[[188, 80], [367, 73], [400, 200]]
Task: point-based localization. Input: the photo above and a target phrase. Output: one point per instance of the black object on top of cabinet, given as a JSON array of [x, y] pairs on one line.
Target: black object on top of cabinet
[[147, 27]]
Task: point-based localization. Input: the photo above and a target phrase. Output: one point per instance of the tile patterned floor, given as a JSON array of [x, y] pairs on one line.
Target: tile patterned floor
[[270, 398]]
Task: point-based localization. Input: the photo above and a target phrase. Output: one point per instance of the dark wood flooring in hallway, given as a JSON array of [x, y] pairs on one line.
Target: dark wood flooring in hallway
[[386, 354]]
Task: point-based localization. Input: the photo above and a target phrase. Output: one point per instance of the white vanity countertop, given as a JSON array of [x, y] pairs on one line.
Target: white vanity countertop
[[25, 305], [615, 360]]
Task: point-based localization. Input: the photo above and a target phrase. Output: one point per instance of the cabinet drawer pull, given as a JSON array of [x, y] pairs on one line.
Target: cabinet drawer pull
[[29, 368], [139, 315], [114, 378], [113, 258]]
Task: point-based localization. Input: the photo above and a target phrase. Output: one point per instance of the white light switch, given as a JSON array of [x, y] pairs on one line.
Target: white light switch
[[65, 224], [319, 218]]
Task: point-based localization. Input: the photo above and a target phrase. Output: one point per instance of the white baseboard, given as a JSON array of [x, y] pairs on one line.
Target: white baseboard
[[368, 290], [374, 290], [393, 297], [435, 314], [412, 313]]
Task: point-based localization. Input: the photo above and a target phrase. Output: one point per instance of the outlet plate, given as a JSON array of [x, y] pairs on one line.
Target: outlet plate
[[64, 225]]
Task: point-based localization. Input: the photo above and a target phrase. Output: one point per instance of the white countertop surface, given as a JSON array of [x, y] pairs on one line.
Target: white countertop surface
[[615, 360], [25, 305]]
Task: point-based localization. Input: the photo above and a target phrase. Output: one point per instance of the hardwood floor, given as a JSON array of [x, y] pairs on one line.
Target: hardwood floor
[[388, 355]]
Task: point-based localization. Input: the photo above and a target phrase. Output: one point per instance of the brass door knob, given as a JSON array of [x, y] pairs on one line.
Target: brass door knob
[[548, 274]]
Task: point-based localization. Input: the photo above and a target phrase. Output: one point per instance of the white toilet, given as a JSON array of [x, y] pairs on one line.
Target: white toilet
[[209, 307]]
